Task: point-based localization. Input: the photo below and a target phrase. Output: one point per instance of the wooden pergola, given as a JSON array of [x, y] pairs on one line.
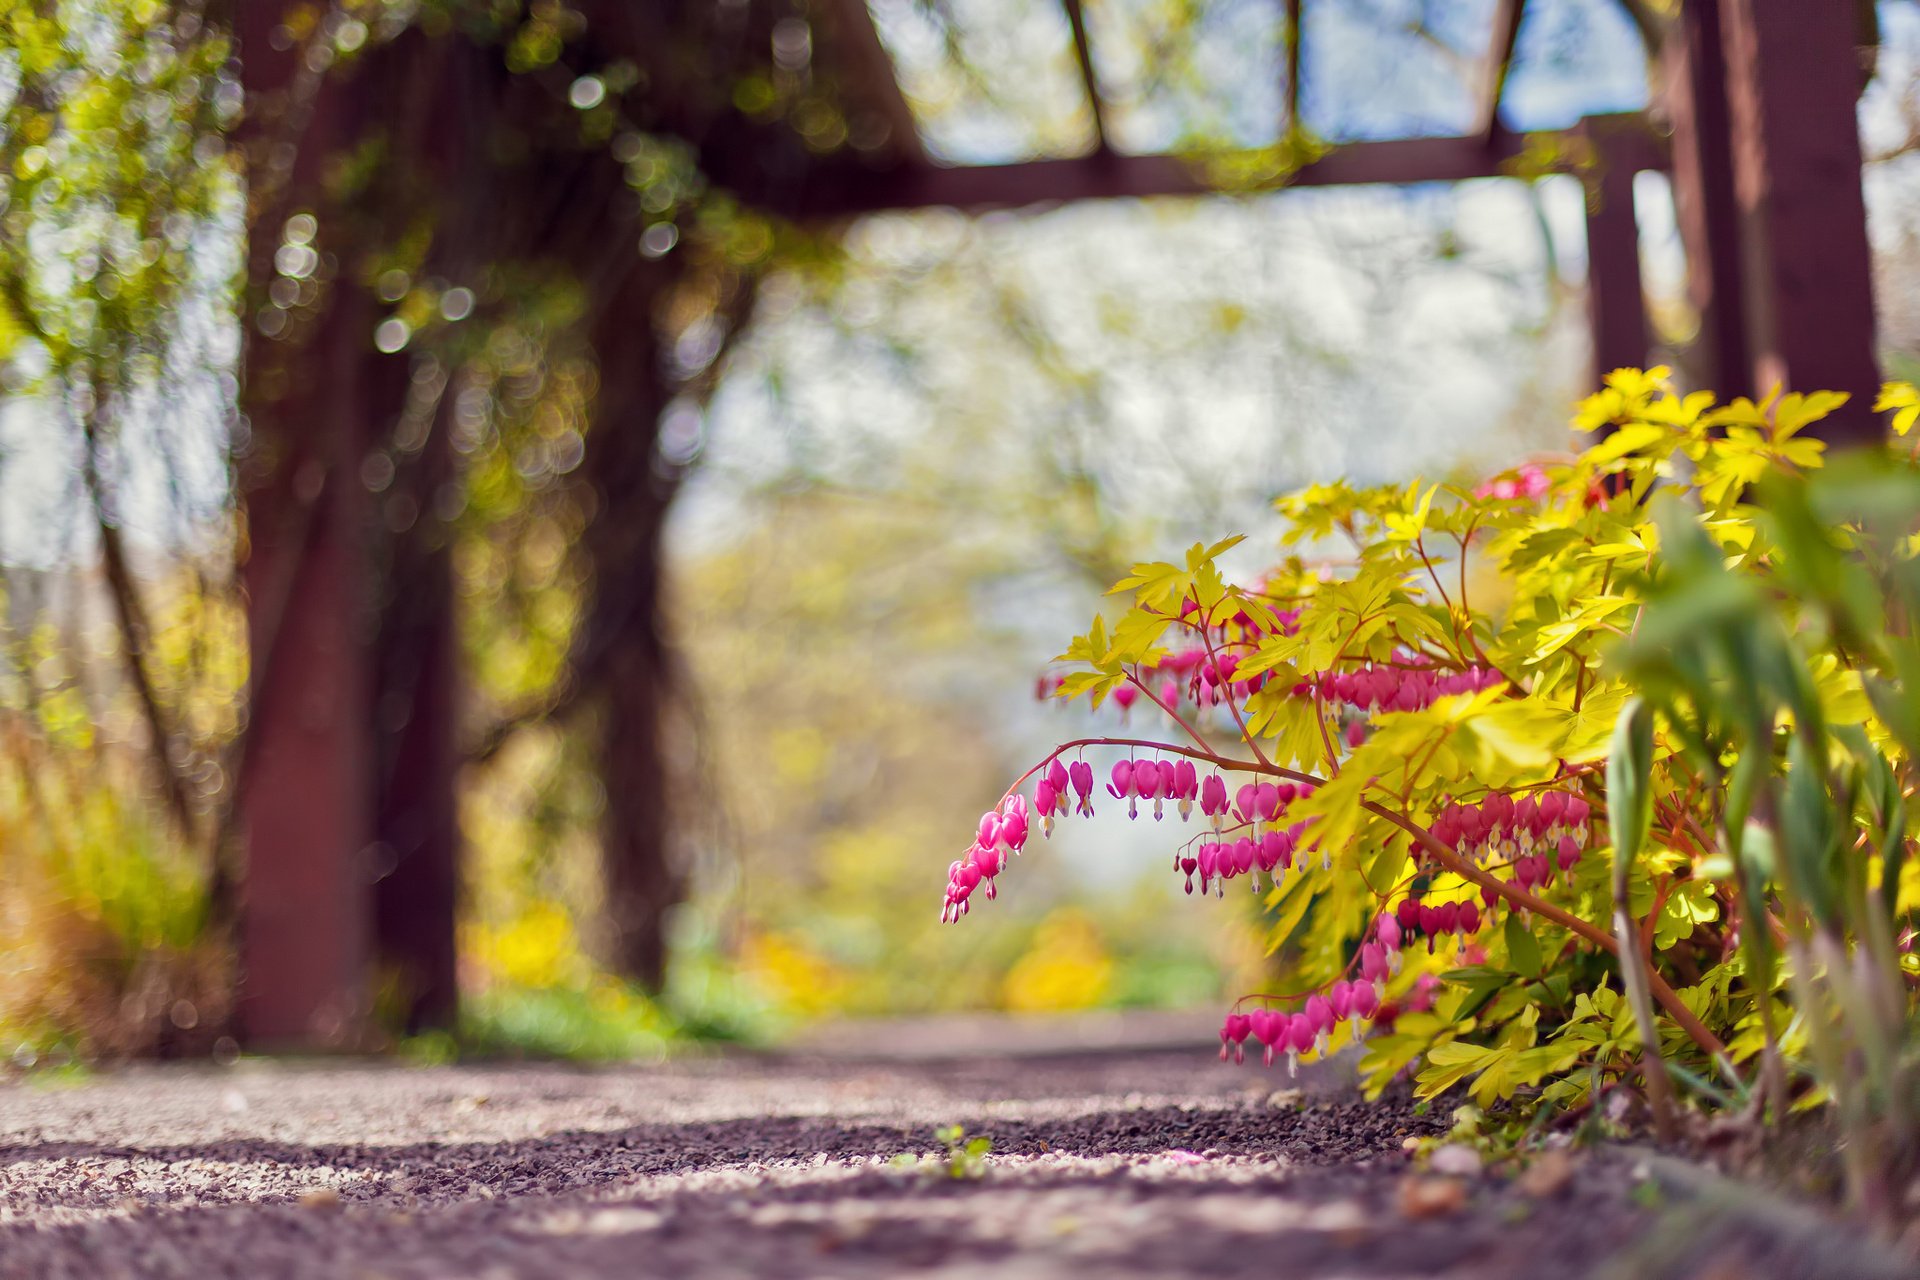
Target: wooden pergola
[[1753, 118]]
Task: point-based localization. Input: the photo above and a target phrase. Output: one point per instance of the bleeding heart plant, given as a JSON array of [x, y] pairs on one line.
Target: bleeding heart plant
[[1410, 750]]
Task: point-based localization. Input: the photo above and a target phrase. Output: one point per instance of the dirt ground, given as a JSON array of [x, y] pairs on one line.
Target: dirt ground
[[1108, 1159]]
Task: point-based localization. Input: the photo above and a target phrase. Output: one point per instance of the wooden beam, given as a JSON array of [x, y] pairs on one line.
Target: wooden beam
[[868, 60], [1793, 81], [982, 187], [1493, 76], [1083, 53]]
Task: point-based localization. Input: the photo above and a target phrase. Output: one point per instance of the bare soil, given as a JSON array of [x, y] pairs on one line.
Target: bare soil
[[1106, 1161]]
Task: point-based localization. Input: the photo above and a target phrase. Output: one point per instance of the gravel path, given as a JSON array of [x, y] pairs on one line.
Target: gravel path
[[1143, 1162]]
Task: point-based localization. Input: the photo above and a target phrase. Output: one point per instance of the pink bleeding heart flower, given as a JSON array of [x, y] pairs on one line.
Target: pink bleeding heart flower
[[1013, 822], [1081, 775], [1147, 782], [1340, 999], [1233, 1034], [1577, 811], [1387, 930], [1300, 1033], [1185, 780], [988, 860], [1243, 855], [1189, 864], [1499, 811], [1469, 922], [1268, 1028], [1366, 999], [1246, 801], [1373, 962], [1553, 807], [1213, 796], [989, 834], [1045, 802], [1569, 853], [1209, 863], [1319, 1012]]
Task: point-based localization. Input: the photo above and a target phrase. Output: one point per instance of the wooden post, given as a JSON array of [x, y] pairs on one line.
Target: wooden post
[[1616, 305], [305, 800], [1695, 98], [417, 714], [1793, 80], [305, 781]]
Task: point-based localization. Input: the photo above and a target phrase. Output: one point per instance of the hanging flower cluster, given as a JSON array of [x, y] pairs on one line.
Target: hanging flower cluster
[[1002, 834], [1410, 685], [1438, 752], [1535, 835]]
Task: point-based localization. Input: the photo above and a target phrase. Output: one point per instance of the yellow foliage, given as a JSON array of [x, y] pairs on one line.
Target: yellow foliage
[[1066, 967]]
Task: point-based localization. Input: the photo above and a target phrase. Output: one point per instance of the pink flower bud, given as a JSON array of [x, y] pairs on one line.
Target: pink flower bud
[[1126, 695], [1356, 733]]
